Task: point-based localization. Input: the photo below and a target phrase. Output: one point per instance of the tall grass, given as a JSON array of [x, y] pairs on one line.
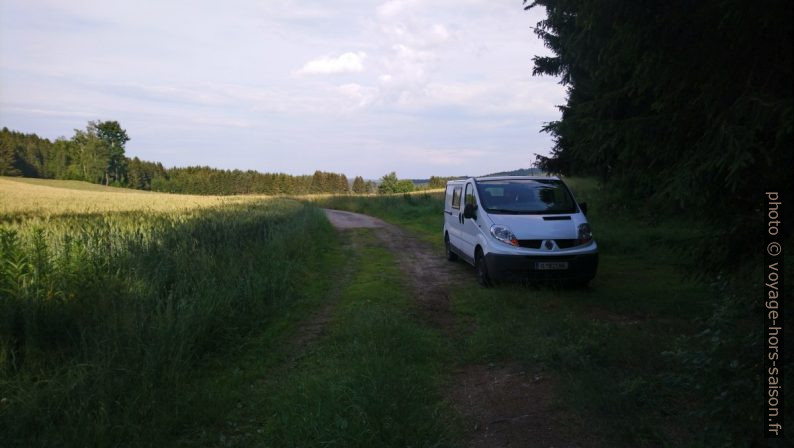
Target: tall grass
[[103, 317]]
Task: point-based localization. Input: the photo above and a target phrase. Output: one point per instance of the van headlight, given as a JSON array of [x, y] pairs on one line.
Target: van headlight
[[585, 234], [504, 234]]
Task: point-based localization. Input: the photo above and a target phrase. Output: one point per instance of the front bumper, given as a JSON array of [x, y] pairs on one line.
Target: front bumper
[[581, 267]]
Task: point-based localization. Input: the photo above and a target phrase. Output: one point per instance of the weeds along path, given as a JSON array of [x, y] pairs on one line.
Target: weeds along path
[[429, 275]]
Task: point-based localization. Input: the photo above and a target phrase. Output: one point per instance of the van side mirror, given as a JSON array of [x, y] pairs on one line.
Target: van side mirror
[[583, 207], [470, 211]]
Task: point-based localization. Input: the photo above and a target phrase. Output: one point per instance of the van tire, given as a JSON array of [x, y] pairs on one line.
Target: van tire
[[482, 270], [451, 256]]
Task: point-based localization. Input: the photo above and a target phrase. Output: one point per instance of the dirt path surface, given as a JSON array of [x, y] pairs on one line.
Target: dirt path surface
[[511, 407], [428, 273], [348, 220], [504, 406]]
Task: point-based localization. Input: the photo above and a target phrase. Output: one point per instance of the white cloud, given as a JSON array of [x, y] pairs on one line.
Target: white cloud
[[483, 98], [345, 63], [393, 8], [444, 158], [358, 96], [221, 122], [440, 32]]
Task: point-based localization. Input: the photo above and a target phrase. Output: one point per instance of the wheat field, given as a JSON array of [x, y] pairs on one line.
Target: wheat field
[[109, 297], [36, 198]]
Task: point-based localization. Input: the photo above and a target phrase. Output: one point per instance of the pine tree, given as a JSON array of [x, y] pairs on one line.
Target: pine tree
[[359, 187]]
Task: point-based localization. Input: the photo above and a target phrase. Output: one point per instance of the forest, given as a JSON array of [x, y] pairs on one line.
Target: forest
[[97, 154]]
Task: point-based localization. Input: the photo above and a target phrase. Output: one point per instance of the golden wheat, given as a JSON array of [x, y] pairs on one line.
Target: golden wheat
[[52, 198]]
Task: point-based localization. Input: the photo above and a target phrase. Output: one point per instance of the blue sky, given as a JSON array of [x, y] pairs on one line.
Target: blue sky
[[421, 87]]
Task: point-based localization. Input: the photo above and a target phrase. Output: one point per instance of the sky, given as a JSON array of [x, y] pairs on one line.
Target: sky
[[420, 87]]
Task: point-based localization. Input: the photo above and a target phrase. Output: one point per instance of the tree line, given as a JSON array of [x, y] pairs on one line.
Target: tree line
[[97, 154], [213, 181], [390, 184]]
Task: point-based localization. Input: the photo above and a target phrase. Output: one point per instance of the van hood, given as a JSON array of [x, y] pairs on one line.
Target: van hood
[[534, 227]]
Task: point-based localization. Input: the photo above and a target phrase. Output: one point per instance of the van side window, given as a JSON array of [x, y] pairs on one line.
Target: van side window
[[456, 197], [469, 195]]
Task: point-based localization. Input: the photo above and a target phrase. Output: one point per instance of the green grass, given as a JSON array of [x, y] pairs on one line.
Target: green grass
[[371, 383], [610, 364], [606, 344], [372, 379]]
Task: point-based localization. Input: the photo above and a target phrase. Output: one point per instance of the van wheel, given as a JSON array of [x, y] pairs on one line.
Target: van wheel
[[451, 256], [482, 270]]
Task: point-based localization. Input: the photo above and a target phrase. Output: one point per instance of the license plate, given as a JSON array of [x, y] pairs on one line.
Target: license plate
[[551, 265]]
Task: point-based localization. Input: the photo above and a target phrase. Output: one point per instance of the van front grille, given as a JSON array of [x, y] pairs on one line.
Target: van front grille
[[530, 244], [565, 244], [535, 244]]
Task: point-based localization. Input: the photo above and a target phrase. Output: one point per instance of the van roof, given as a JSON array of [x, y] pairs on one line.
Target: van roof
[[504, 178]]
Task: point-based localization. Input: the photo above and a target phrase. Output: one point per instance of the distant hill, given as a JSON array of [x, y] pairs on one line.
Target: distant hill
[[519, 172], [435, 182]]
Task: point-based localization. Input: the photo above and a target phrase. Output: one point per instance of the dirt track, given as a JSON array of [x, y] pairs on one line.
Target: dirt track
[[346, 220], [504, 406], [426, 270]]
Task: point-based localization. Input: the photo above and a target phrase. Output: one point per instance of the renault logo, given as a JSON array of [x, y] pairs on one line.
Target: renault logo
[[549, 245]]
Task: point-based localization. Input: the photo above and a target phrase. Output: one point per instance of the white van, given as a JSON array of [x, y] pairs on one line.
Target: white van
[[519, 228]]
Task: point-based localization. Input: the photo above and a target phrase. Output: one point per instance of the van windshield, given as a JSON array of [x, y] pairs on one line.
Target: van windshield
[[525, 196]]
